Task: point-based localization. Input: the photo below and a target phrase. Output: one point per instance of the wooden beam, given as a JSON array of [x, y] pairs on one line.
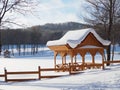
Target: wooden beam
[[2, 75], [115, 61]]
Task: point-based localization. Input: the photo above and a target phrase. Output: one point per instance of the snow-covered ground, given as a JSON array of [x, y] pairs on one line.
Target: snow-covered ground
[[91, 79]]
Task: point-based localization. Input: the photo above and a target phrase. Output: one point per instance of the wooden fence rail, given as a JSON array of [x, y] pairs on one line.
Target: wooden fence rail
[[17, 73], [40, 70], [114, 61], [2, 75], [72, 69]]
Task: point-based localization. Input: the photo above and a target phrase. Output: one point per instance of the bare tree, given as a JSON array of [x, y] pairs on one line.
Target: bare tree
[[104, 12], [8, 6]]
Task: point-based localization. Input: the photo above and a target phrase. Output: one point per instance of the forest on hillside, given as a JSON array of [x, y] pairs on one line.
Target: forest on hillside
[[35, 36], [39, 35]]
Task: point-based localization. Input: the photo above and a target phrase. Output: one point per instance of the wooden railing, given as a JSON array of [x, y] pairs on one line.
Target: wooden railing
[[72, 69], [50, 69], [114, 61], [38, 72], [22, 72]]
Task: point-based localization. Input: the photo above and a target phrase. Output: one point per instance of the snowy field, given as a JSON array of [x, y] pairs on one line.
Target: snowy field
[[91, 79]]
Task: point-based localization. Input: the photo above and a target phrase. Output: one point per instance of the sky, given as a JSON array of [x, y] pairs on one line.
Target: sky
[[53, 11]]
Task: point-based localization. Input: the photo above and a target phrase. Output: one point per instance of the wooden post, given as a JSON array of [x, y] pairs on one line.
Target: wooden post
[[5, 72], [102, 54], [75, 59], [39, 73], [83, 62], [71, 60], [62, 60], [55, 54], [103, 61], [93, 61], [69, 69]]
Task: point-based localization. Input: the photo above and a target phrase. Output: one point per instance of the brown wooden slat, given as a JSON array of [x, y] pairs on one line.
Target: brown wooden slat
[[86, 65], [50, 69], [2, 75], [115, 61], [29, 72], [47, 69], [51, 76], [91, 65]]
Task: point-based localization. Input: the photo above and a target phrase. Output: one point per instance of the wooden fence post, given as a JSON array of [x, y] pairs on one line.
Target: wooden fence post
[[69, 69], [39, 73], [5, 72]]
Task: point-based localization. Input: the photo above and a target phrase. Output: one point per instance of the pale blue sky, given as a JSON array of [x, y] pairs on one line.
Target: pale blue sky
[[54, 11]]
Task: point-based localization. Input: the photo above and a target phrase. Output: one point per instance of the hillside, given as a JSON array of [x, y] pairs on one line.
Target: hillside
[[39, 34], [63, 26]]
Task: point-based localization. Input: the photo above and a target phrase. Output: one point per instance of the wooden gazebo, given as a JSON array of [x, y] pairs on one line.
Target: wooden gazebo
[[79, 42]]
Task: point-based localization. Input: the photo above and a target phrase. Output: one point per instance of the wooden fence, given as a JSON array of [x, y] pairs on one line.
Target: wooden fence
[[71, 69], [23, 72], [38, 72]]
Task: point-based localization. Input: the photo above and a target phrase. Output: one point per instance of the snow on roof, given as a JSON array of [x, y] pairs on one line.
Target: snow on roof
[[73, 38]]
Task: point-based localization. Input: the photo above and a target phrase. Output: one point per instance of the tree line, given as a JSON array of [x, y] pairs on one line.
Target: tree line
[[35, 36], [24, 37], [31, 36]]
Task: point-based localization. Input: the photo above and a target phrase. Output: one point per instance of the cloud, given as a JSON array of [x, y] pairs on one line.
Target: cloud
[[56, 11], [53, 11], [51, 5]]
